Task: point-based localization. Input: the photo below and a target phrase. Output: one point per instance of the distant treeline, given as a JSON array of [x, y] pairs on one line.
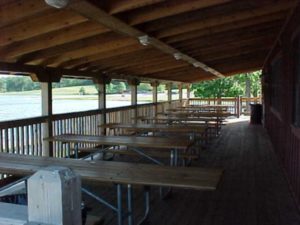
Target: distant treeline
[[22, 83]]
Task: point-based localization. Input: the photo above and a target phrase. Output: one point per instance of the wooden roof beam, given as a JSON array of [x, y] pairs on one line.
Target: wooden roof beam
[[93, 13]]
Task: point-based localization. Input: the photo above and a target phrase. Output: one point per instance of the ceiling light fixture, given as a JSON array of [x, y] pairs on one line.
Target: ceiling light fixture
[[59, 4], [197, 64], [144, 40], [177, 55]]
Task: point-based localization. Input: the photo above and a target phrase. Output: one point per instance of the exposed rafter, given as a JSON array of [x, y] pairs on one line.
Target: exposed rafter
[[94, 38], [90, 11]]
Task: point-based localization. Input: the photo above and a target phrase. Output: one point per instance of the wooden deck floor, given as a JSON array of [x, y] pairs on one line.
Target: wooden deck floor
[[253, 190]]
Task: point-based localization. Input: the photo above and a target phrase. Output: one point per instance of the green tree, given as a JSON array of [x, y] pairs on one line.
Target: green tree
[[144, 87], [120, 87], [229, 86], [82, 91], [2, 85]]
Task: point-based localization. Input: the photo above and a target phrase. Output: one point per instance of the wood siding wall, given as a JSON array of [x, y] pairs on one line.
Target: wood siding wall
[[279, 90]]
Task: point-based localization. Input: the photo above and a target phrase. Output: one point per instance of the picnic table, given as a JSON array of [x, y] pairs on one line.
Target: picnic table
[[198, 114], [193, 130], [118, 173], [200, 108], [210, 122], [136, 144]]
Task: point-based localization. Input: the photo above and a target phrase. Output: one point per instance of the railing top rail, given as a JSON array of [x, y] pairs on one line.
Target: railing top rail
[[22, 122]]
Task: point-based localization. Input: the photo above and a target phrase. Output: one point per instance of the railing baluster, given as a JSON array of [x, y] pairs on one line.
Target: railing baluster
[[6, 140], [1, 141], [27, 151], [17, 140]]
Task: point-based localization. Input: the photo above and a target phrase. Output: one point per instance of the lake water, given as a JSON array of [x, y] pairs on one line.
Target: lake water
[[17, 107]]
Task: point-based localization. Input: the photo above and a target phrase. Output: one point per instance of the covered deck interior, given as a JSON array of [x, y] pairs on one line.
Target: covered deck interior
[[175, 42], [253, 190]]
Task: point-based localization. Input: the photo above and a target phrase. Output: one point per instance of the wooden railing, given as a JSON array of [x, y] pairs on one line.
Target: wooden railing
[[236, 106], [25, 136], [22, 136]]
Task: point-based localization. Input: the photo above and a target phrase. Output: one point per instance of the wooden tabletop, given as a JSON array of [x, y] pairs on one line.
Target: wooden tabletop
[[117, 172], [158, 127], [131, 141], [180, 118], [205, 106], [196, 109], [199, 114]]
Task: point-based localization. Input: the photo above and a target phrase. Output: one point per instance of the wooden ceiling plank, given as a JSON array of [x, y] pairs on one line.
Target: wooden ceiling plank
[[234, 36], [242, 66], [218, 49], [189, 77], [169, 8], [18, 10], [236, 52], [136, 64], [129, 59], [151, 69], [210, 22], [243, 24], [260, 53], [38, 25], [253, 56], [104, 55], [59, 37], [202, 14], [93, 13], [142, 64], [89, 50], [70, 46], [118, 6]]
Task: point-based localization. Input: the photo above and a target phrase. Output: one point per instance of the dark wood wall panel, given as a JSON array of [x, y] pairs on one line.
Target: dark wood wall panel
[[279, 121]]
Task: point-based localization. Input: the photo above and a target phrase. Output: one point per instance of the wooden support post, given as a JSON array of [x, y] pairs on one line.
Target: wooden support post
[[169, 88], [238, 106], [101, 87], [188, 91], [248, 92], [133, 83], [47, 111], [154, 96], [180, 92], [54, 197]]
